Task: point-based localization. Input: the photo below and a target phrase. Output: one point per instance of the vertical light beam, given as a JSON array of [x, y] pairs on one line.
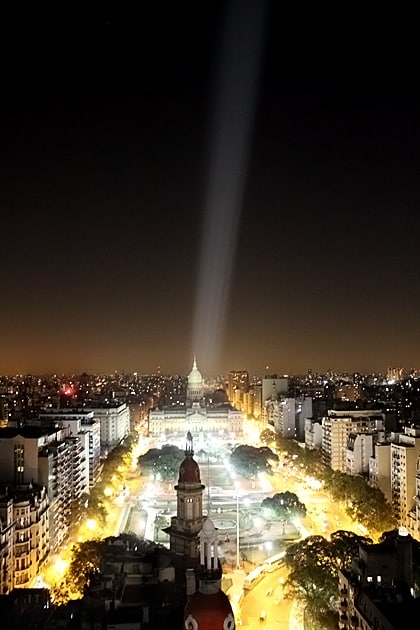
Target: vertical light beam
[[230, 140]]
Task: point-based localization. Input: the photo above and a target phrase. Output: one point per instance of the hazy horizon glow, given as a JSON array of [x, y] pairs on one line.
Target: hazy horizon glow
[[308, 254]]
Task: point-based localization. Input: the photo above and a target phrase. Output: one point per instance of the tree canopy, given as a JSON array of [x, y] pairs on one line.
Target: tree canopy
[[283, 506], [248, 461], [362, 503], [313, 571], [85, 563], [163, 461], [267, 436]]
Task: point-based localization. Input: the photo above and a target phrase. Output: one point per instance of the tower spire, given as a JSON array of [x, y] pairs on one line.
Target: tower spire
[[189, 450]]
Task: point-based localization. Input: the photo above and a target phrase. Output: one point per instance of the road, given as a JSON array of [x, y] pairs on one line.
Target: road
[[267, 596]]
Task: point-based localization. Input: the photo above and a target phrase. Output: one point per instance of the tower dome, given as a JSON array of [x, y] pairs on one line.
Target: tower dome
[[209, 611], [195, 387], [194, 377], [189, 470]]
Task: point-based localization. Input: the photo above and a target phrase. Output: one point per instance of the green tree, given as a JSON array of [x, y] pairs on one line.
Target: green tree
[[248, 461], [85, 563], [312, 575], [164, 461], [309, 459], [283, 506], [362, 503], [94, 506], [313, 572], [161, 521], [345, 546]]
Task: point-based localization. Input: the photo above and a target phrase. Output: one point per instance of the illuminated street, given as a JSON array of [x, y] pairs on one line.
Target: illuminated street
[[268, 597]]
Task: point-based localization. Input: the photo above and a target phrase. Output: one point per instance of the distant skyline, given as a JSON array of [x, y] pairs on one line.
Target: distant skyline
[[106, 133]]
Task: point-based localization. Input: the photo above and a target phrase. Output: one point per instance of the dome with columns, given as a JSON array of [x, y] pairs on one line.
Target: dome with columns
[[195, 386], [194, 378], [209, 608]]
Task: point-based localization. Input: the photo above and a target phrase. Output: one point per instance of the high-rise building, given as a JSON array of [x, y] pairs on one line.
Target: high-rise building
[[51, 458], [84, 425], [336, 429], [238, 384], [114, 421], [7, 536], [380, 468], [24, 511], [405, 450]]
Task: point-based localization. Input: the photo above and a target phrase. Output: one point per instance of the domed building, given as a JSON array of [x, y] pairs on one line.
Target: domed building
[[195, 387], [203, 419], [209, 607], [188, 522]]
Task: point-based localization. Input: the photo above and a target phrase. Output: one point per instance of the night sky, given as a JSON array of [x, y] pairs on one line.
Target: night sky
[[106, 131]]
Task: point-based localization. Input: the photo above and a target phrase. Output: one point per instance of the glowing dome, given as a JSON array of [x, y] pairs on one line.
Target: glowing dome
[[195, 377]]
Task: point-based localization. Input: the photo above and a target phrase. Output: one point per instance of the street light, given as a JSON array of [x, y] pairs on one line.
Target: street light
[[237, 526]]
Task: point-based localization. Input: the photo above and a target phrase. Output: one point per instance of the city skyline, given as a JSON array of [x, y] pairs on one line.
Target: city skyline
[[107, 126]]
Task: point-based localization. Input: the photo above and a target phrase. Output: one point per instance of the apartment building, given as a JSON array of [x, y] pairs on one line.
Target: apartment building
[[337, 427], [380, 468], [376, 589], [24, 511], [48, 457], [405, 449], [114, 421], [84, 425]]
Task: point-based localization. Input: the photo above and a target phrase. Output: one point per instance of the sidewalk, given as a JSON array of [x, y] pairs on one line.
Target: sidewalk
[[236, 591]]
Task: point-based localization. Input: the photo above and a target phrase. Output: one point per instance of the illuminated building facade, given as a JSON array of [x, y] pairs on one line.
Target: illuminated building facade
[[238, 384], [405, 449], [336, 430], [7, 529], [52, 458], [196, 416], [84, 425], [380, 468], [114, 421], [24, 512]]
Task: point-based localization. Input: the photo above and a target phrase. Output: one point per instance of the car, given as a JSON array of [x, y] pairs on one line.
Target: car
[[269, 592], [263, 616]]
